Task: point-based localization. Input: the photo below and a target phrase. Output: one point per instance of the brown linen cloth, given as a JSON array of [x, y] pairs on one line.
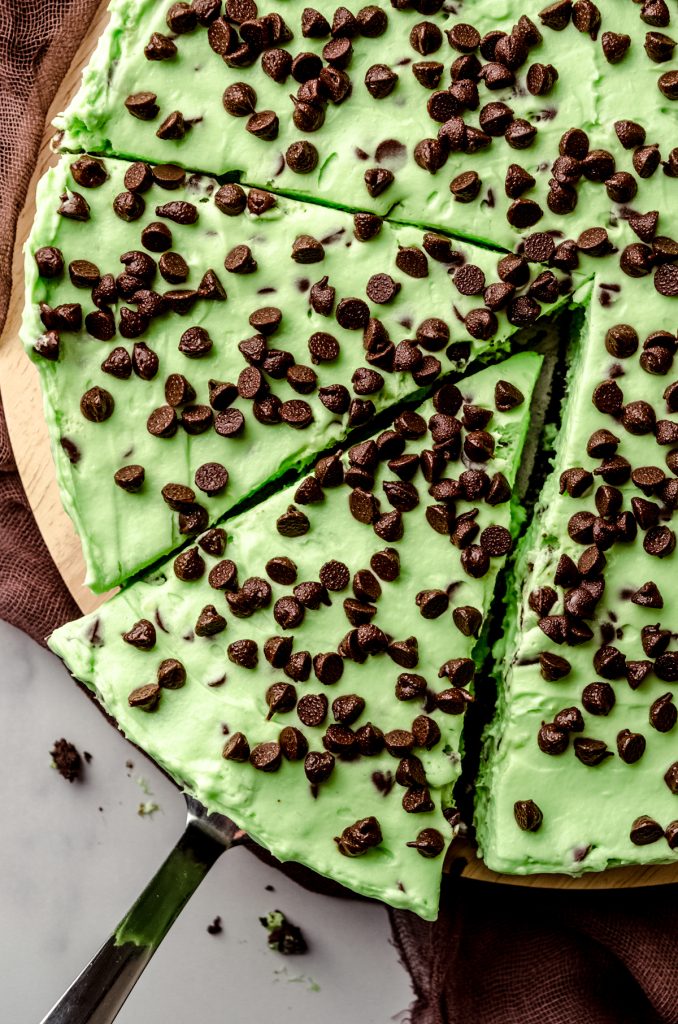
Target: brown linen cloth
[[498, 954]]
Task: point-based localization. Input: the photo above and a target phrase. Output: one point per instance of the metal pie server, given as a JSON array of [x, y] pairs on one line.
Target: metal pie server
[[98, 993]]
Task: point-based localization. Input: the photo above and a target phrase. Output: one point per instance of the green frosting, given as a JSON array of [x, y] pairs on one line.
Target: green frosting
[[362, 133], [122, 532], [186, 732], [588, 812]]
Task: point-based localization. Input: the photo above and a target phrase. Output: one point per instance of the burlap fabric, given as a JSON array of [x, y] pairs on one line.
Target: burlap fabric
[[498, 954]]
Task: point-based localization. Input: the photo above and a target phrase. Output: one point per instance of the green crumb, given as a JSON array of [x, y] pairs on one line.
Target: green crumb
[[145, 810], [283, 936]]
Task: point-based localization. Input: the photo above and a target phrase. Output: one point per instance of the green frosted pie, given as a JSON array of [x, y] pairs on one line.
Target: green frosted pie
[[207, 337], [397, 191], [306, 668], [581, 761], [467, 118]]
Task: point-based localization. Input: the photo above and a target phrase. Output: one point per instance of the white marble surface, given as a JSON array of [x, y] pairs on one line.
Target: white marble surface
[[74, 858]]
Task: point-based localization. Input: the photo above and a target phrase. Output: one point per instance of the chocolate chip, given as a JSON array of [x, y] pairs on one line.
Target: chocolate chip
[[615, 46], [528, 815], [243, 653], [353, 314], [145, 697], [224, 575], [189, 565], [496, 541], [89, 172], [292, 523], [195, 343], [556, 15], [358, 838], [236, 748], [293, 743], [591, 752], [671, 778], [666, 280], [97, 405], [630, 746], [179, 211], [280, 697], [214, 542], [318, 766], [229, 423], [50, 261], [659, 541], [142, 635], [666, 667], [598, 698], [663, 713], [210, 622], [655, 12], [142, 105], [645, 830], [668, 85], [266, 757], [541, 78]]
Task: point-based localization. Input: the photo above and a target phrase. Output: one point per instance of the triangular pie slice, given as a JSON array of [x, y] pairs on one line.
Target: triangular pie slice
[[306, 669], [581, 761], [484, 119], [203, 336]]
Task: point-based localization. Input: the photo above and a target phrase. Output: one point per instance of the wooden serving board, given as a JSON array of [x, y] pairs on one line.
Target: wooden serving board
[[22, 403]]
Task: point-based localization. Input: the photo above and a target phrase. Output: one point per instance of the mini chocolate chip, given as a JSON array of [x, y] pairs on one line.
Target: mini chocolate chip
[[551, 739], [240, 260], [318, 766], [663, 713], [598, 698], [615, 46], [243, 653], [659, 541], [528, 815], [293, 743], [229, 423], [142, 635], [594, 242], [358, 838], [591, 752], [630, 746], [429, 843], [195, 343], [668, 85], [292, 523], [236, 748], [97, 405], [280, 697], [189, 565], [266, 757], [142, 105], [645, 830], [145, 697], [210, 622]]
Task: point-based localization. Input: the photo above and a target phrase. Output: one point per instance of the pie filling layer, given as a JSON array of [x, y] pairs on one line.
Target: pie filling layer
[[305, 669]]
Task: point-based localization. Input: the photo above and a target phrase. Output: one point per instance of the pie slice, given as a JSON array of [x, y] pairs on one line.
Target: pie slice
[[480, 119], [581, 761], [305, 669], [196, 341]]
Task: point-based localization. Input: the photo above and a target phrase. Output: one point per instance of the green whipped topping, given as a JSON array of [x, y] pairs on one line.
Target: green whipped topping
[[186, 732], [122, 532], [362, 133], [588, 811]]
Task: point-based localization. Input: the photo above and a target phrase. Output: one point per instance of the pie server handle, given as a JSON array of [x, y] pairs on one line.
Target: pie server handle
[[98, 993]]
